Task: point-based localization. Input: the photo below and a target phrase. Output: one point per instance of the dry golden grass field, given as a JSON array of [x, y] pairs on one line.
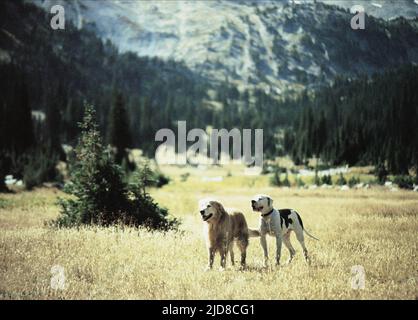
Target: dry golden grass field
[[374, 228]]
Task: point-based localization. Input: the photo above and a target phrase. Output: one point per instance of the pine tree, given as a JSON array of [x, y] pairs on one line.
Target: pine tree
[[100, 196], [21, 118], [275, 179], [53, 122], [119, 135], [3, 172], [95, 181]]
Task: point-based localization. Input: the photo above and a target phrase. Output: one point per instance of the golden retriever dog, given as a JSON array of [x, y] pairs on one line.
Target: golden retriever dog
[[221, 229]]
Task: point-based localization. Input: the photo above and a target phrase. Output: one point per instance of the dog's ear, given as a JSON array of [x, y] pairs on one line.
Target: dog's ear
[[220, 208], [269, 201]]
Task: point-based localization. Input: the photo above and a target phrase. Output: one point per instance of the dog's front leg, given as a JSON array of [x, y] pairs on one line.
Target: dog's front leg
[[278, 248], [263, 242], [211, 256], [224, 253]]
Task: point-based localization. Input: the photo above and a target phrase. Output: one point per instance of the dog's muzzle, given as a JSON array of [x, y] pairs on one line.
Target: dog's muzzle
[[205, 218], [254, 206]]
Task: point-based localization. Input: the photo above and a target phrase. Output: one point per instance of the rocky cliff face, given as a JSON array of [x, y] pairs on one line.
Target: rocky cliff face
[[276, 46]]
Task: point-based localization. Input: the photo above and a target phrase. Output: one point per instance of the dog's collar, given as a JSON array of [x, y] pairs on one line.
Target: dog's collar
[[268, 213]]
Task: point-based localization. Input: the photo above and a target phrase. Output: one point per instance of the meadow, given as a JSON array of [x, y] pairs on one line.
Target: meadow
[[374, 228]]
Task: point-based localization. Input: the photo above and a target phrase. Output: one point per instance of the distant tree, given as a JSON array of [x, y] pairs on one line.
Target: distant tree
[[353, 181], [22, 133], [316, 180], [147, 120], [326, 179], [119, 135], [381, 173], [275, 179], [55, 103], [341, 181], [286, 181], [3, 172], [364, 121], [39, 167]]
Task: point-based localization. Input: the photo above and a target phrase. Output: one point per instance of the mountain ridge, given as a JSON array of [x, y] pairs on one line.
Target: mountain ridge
[[273, 46]]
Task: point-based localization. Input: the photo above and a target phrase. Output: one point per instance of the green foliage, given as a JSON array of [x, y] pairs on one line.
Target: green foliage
[[127, 166], [161, 179], [341, 181], [286, 182], [316, 180], [326, 179], [145, 211], [350, 126], [353, 181], [299, 182], [184, 176], [150, 177], [119, 135], [404, 181], [99, 194], [40, 167], [16, 126], [3, 172], [275, 179], [381, 173], [35, 166]]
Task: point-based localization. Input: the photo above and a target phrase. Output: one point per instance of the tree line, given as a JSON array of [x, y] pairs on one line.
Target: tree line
[[369, 120]]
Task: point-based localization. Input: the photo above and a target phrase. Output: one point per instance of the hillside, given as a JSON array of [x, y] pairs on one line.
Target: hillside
[[273, 46], [72, 66], [63, 69]]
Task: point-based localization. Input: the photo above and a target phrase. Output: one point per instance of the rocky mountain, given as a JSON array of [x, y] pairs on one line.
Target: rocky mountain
[[276, 46]]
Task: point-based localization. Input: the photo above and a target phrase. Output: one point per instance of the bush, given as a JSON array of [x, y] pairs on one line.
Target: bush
[[144, 211], [35, 166], [100, 196], [316, 180], [161, 179], [353, 181], [381, 173], [286, 182], [151, 178], [3, 172], [326, 179], [275, 179], [40, 168], [404, 182], [341, 181], [299, 182], [127, 166], [184, 176]]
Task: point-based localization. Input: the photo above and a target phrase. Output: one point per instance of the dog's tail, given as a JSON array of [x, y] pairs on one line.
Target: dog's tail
[[304, 230], [252, 233]]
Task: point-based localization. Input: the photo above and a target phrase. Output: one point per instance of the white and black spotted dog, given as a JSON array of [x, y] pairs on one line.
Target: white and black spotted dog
[[279, 224]]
